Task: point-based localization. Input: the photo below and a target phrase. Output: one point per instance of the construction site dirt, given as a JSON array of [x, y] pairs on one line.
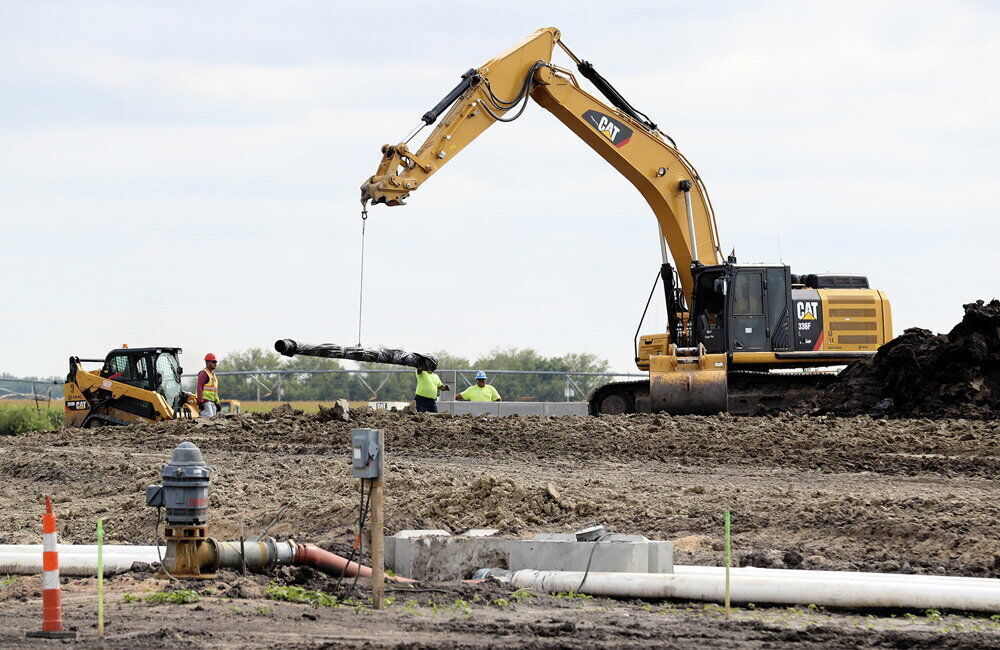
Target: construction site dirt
[[920, 374], [890, 495]]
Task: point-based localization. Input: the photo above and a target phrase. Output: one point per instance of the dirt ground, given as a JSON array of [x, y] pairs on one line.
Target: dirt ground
[[894, 495]]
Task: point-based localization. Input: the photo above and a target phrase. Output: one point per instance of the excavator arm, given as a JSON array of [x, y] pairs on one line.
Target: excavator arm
[[683, 380], [499, 90]]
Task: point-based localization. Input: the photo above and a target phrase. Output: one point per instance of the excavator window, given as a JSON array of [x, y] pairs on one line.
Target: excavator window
[[748, 298], [710, 308]]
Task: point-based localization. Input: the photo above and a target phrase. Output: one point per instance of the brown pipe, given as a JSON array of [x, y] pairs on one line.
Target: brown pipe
[[327, 562], [331, 563]]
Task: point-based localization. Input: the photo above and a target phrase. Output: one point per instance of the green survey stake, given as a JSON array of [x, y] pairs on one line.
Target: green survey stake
[[727, 561], [100, 577]]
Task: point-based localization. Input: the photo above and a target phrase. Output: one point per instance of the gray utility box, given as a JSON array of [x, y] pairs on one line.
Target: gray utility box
[[366, 453]]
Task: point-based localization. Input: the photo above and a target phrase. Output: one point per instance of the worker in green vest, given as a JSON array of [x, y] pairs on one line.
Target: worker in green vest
[[428, 387], [481, 392]]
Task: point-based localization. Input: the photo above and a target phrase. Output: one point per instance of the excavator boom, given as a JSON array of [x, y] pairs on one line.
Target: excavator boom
[[498, 90]]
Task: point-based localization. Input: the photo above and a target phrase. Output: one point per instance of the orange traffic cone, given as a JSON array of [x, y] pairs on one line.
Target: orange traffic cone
[[52, 625]]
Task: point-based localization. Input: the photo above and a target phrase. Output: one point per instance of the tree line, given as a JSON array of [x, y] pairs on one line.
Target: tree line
[[400, 386]]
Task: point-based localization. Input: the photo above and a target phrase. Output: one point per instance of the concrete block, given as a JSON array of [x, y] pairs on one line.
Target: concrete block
[[512, 408], [554, 537], [566, 408], [661, 557], [436, 555], [476, 408], [522, 408], [480, 532], [424, 532], [397, 547], [574, 556], [446, 558]]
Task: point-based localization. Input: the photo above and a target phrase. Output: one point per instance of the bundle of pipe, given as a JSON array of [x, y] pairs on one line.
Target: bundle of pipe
[[290, 348], [778, 586]]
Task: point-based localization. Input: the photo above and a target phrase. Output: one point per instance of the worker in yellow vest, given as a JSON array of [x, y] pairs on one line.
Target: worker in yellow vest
[[208, 387], [481, 392], [428, 387]]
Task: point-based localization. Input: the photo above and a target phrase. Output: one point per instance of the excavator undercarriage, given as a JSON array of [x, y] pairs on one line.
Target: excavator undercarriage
[[748, 393]]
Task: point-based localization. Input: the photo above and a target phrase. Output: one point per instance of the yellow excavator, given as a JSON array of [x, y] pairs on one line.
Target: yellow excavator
[[133, 385], [729, 326]]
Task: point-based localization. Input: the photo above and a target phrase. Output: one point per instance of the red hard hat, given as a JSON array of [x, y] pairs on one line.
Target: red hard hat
[[210, 357]]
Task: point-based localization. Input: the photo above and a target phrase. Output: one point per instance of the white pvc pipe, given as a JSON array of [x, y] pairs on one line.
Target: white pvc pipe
[[809, 574], [81, 549], [982, 595], [78, 561]]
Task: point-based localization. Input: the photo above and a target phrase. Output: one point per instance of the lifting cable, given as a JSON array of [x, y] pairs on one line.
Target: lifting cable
[[361, 289]]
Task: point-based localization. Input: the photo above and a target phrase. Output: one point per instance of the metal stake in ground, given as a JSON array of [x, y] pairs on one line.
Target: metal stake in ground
[[727, 562]]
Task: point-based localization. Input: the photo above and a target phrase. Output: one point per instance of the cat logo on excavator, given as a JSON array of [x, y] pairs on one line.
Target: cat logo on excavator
[[808, 310], [609, 127]]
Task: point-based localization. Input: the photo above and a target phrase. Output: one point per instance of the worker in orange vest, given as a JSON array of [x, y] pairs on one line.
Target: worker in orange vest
[[208, 387]]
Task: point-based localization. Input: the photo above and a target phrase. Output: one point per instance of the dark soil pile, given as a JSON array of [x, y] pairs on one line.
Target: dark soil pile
[[920, 374]]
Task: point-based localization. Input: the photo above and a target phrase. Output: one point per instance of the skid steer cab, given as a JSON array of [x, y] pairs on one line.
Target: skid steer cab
[[133, 385]]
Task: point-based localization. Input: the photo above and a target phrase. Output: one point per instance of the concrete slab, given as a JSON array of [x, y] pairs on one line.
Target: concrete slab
[[565, 408], [616, 557], [430, 555], [475, 408], [522, 408], [661, 557], [398, 547], [446, 558], [512, 408]]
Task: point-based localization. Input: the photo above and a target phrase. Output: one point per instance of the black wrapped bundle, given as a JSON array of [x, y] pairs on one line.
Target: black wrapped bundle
[[290, 348]]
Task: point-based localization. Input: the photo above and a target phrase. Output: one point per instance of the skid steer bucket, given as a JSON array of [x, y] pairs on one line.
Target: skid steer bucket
[[688, 381]]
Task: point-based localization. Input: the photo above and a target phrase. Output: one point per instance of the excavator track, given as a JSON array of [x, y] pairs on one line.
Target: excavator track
[[750, 393]]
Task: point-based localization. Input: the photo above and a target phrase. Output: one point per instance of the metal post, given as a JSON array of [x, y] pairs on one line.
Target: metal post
[[377, 542], [257, 379]]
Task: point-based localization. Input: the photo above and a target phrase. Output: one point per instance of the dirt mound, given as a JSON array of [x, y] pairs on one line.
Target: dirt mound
[[920, 374]]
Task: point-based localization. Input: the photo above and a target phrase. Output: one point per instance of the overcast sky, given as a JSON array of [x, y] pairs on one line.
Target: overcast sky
[[187, 173]]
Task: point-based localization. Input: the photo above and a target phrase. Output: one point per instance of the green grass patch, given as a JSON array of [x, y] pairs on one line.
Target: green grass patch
[[18, 419], [302, 595], [573, 594], [179, 597]]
